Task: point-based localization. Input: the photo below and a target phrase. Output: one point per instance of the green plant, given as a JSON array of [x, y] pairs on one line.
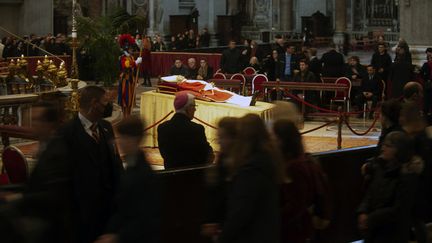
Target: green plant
[[98, 36]]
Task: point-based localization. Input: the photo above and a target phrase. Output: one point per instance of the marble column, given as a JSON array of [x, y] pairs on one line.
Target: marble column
[[286, 15], [415, 21], [340, 16], [151, 18], [340, 23], [36, 17], [232, 7]]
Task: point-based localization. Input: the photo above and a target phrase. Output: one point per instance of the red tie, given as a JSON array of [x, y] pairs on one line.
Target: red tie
[[94, 132]]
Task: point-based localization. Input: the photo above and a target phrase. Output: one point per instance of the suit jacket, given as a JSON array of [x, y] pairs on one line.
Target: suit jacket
[[294, 63], [230, 61], [183, 142], [138, 200], [274, 69], [333, 64], [315, 66], [96, 173], [371, 85]]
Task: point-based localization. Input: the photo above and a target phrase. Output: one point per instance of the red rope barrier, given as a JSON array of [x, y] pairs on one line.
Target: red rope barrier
[[309, 104], [158, 122], [327, 110], [205, 123], [317, 128], [364, 133]]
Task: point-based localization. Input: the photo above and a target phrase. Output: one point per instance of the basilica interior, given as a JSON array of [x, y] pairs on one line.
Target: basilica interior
[[280, 121]]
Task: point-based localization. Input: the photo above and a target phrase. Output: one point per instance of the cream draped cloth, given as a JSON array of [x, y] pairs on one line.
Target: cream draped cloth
[[207, 91]]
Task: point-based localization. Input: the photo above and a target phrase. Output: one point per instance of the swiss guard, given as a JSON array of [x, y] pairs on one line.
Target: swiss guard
[[127, 83]]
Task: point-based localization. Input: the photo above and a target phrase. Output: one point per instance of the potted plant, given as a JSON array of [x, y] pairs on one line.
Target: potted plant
[[98, 36]]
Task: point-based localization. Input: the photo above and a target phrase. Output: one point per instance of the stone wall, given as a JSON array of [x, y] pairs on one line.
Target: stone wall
[[23, 17]]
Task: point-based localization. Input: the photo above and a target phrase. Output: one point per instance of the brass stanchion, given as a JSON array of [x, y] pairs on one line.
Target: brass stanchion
[[340, 121]]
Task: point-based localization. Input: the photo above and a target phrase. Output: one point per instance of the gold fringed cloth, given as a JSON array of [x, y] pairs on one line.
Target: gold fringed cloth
[[154, 106]]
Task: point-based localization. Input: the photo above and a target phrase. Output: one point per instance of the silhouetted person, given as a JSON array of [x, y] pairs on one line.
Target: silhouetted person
[[216, 178], [181, 141], [96, 164], [382, 61], [390, 111], [333, 63], [138, 216], [426, 72], [315, 64], [400, 73], [230, 61], [386, 210], [304, 193], [43, 209], [252, 207], [369, 90]]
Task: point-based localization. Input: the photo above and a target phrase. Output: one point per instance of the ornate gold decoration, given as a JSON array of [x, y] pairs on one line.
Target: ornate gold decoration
[[62, 76]]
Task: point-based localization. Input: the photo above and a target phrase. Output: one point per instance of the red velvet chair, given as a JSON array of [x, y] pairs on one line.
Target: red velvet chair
[[340, 96], [249, 71], [219, 76], [15, 165], [4, 178], [257, 82], [239, 76]]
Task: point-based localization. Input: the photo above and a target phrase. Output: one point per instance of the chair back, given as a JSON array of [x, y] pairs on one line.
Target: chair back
[[4, 179], [339, 95], [239, 76], [15, 165], [219, 76], [219, 70], [257, 82], [249, 71]]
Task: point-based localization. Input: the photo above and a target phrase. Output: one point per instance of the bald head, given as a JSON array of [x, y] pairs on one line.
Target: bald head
[[192, 63], [413, 92]]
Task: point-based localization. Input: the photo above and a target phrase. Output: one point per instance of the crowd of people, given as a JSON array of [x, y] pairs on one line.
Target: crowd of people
[[13, 47], [379, 79], [90, 185], [263, 186]]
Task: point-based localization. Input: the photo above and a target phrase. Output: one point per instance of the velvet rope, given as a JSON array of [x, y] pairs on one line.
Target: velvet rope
[[309, 104], [205, 123], [158, 122], [327, 110], [364, 133], [317, 128]]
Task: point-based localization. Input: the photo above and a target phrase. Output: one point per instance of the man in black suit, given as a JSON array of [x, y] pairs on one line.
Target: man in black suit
[[369, 90], [96, 164], [138, 215], [230, 60], [181, 141], [333, 63]]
